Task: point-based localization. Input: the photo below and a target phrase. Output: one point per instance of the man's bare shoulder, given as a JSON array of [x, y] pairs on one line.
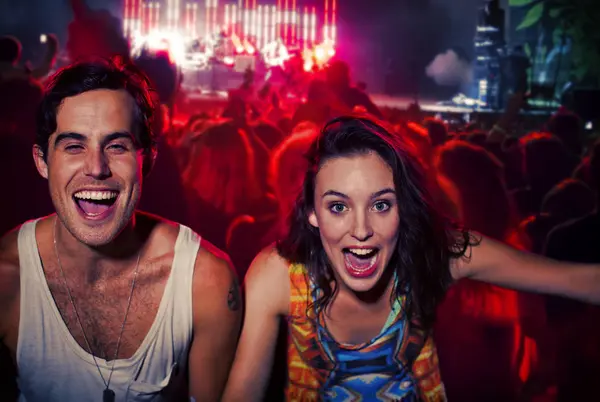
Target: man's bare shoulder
[[9, 275], [161, 234], [216, 291], [213, 267], [9, 248]]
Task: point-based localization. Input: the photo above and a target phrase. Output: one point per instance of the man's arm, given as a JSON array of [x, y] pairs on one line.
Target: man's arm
[[217, 315], [43, 69], [9, 322]]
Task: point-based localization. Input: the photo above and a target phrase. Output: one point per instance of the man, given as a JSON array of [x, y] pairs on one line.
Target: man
[[100, 301]]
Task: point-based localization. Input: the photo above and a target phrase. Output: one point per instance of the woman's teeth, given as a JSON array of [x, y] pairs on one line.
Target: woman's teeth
[[360, 260], [361, 251]]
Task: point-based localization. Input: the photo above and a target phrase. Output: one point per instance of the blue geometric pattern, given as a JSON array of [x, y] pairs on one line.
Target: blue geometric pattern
[[369, 372]]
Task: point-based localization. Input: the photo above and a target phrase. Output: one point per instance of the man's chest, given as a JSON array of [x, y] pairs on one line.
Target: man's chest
[[110, 322]]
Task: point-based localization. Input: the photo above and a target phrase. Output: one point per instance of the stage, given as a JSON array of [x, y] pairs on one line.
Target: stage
[[218, 99]]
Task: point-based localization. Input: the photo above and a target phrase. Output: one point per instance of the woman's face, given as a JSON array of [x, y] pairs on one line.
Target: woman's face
[[356, 212]]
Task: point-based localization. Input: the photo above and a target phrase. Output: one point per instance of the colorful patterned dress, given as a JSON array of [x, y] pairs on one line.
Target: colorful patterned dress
[[396, 365]]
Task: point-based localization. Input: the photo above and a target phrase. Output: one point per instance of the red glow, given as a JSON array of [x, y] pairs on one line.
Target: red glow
[[294, 21], [305, 27], [143, 24], [195, 20], [207, 19], [289, 21], [234, 21], [155, 7], [227, 19], [214, 17], [278, 19], [286, 14], [333, 21], [313, 36]]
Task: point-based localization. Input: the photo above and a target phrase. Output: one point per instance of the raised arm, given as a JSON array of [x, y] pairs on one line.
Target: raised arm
[[497, 263], [267, 299], [217, 316], [43, 69]]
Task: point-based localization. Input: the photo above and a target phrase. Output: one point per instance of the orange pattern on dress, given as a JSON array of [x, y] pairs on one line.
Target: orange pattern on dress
[[310, 366]]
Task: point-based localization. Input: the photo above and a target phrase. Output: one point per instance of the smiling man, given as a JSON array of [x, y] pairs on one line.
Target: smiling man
[[100, 301]]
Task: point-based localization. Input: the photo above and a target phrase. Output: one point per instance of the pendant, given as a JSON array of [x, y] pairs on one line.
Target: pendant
[[108, 395]]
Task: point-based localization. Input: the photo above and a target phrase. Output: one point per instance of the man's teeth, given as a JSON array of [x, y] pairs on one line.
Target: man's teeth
[[361, 251], [96, 195]]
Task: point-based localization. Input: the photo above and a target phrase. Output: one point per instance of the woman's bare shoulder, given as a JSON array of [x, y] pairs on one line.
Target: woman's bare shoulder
[[267, 280]]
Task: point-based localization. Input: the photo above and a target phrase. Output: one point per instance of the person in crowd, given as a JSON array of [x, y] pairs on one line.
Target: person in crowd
[[575, 325], [94, 33], [10, 58], [101, 301]]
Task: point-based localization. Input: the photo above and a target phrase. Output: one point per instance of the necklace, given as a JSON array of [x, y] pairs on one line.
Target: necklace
[[108, 395]]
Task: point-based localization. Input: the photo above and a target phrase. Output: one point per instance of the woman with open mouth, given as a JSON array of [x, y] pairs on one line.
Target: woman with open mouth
[[358, 277]]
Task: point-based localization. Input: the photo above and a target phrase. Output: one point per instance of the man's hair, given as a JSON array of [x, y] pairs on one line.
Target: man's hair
[[90, 75]]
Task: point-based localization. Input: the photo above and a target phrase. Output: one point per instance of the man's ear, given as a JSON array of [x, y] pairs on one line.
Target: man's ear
[[312, 219], [40, 162]]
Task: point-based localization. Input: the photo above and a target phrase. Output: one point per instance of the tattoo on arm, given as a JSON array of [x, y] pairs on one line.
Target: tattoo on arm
[[234, 299]]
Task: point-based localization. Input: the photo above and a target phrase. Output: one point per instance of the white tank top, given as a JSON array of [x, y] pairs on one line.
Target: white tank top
[[53, 367]]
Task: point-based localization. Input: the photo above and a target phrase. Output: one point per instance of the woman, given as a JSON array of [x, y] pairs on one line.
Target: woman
[[361, 272]]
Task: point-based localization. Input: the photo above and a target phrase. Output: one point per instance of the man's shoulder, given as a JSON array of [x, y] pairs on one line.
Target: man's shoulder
[[164, 234], [9, 245], [161, 233], [215, 285], [213, 265], [9, 249], [9, 274]]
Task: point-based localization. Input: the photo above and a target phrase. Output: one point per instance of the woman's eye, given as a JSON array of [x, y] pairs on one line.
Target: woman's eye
[[381, 206], [337, 208]]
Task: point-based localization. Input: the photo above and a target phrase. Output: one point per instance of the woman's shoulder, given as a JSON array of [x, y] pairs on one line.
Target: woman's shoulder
[[271, 261], [269, 278]]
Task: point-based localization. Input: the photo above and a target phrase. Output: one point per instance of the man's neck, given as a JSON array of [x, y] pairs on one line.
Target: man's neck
[[97, 264]]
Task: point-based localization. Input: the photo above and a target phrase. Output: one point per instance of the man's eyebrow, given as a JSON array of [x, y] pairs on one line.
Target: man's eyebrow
[[69, 135], [118, 135]]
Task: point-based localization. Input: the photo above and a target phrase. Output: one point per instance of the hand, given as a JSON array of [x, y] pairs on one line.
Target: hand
[[52, 44]]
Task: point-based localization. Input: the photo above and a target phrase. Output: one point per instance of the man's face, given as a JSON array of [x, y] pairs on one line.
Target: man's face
[[94, 165]]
